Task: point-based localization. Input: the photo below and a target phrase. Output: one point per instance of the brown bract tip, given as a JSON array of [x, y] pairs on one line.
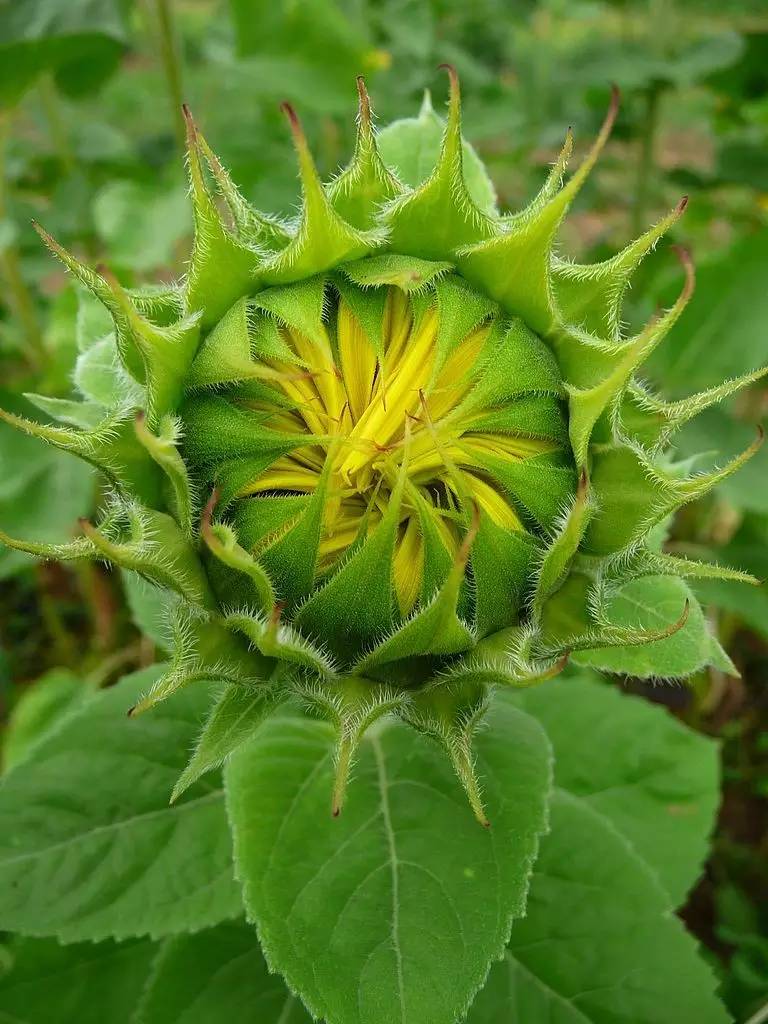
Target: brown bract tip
[[293, 119], [207, 517], [276, 613], [683, 618], [462, 556], [453, 86], [686, 262], [364, 100], [452, 73], [583, 482], [681, 206], [189, 123]]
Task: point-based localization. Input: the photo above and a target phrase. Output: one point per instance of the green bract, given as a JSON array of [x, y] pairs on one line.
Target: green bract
[[388, 456]]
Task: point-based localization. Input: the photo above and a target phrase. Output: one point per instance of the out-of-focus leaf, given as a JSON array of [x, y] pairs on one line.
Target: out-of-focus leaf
[[722, 333], [748, 551], [141, 225], [306, 34], [722, 437], [150, 607], [42, 491], [80, 41]]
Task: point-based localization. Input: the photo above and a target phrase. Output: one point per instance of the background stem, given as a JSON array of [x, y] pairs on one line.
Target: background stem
[[646, 162], [52, 108], [170, 56], [20, 298]]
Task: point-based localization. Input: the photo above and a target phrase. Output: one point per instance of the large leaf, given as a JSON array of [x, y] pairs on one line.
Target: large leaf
[[47, 983], [655, 780], [598, 944], [38, 709], [89, 847], [394, 911], [214, 976]]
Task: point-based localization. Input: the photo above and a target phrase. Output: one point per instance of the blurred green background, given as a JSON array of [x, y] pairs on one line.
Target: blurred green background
[[91, 144]]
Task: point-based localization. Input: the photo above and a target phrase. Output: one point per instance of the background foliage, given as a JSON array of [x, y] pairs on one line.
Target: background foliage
[[90, 144]]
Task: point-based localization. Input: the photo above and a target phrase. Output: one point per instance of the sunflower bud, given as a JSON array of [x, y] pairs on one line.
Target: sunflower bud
[[424, 456]]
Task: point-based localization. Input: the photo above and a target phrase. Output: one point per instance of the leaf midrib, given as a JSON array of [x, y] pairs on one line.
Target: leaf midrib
[[389, 833]]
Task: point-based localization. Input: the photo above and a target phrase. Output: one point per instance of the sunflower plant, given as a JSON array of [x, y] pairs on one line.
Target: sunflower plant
[[392, 466]]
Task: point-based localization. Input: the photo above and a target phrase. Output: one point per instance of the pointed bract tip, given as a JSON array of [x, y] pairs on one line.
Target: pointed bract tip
[[47, 238], [293, 121], [454, 99], [682, 205], [583, 482], [686, 262], [453, 76], [613, 111], [677, 626], [364, 101], [131, 712], [189, 125], [206, 518], [462, 555], [276, 614]]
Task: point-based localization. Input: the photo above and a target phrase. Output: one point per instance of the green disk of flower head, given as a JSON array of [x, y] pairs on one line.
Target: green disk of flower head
[[393, 405], [392, 453]]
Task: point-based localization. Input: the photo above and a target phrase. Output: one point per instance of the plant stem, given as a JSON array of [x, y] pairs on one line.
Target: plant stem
[[170, 55], [645, 163], [53, 115], [20, 298]]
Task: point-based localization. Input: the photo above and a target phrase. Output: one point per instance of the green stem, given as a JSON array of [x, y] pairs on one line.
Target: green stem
[[20, 298], [645, 162], [170, 55], [53, 115]]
